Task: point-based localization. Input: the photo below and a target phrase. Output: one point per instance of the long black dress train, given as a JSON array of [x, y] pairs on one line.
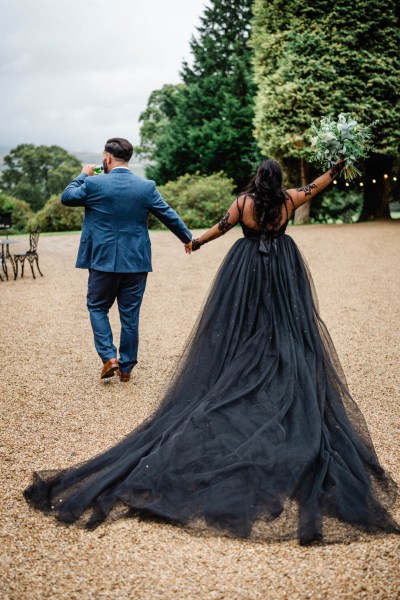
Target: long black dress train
[[257, 435]]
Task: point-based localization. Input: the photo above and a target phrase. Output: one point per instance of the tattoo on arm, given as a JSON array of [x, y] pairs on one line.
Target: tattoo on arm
[[336, 168], [307, 189], [196, 244], [223, 227], [224, 224]]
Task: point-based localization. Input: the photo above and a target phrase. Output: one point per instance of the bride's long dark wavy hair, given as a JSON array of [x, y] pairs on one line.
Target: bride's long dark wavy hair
[[268, 194]]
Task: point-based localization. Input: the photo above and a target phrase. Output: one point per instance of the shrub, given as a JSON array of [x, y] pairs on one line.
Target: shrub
[[201, 200], [21, 212], [54, 216], [336, 206]]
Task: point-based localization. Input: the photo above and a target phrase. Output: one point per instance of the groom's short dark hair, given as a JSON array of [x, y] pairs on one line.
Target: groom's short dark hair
[[119, 148]]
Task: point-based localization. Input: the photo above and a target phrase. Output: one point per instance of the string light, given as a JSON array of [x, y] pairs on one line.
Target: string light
[[361, 183]]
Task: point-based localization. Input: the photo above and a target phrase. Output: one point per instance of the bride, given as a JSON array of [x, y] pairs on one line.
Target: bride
[[257, 435]]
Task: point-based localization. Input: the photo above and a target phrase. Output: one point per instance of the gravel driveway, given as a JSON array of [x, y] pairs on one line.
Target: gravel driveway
[[55, 412]]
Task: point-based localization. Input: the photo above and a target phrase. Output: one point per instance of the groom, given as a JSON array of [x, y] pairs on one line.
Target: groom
[[115, 247]]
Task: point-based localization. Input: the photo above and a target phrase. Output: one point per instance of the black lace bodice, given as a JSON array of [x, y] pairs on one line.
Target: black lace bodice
[[267, 239]]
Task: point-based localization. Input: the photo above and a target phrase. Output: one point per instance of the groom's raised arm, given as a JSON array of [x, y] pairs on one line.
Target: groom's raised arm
[[168, 216], [75, 194]]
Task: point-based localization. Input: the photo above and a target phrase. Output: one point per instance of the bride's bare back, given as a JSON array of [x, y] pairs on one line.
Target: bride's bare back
[[247, 215]]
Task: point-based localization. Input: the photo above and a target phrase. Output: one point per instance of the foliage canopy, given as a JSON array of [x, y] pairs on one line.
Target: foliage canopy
[[34, 173], [205, 124], [320, 59]]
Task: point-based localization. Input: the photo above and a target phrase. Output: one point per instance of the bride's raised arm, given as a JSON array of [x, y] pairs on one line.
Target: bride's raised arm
[[225, 224], [302, 195]]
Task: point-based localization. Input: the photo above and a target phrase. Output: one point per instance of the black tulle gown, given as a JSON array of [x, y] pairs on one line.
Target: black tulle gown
[[257, 435]]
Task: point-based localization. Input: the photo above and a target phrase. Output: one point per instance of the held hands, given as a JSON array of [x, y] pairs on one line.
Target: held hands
[[88, 169], [193, 245]]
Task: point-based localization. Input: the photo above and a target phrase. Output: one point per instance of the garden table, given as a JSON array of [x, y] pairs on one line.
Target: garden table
[[5, 255]]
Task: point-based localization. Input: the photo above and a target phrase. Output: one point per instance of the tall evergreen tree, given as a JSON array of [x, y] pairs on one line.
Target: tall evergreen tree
[[322, 58], [210, 127]]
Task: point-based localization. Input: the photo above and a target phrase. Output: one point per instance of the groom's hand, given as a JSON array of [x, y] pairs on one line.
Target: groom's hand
[[188, 248], [88, 169]]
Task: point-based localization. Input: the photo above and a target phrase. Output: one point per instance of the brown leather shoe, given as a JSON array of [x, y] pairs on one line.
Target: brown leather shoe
[[109, 369], [123, 376]]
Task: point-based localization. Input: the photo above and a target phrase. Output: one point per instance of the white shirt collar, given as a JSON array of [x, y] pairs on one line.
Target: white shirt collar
[[127, 168]]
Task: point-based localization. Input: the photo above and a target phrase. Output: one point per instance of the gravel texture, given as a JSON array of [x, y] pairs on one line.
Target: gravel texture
[[55, 412]]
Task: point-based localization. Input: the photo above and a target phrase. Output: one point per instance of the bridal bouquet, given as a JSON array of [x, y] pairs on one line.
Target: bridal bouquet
[[344, 138]]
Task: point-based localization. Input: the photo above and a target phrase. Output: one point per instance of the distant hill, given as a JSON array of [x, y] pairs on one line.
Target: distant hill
[[86, 158]]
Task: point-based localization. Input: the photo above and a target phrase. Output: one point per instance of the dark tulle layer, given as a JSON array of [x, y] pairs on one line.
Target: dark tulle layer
[[257, 435]]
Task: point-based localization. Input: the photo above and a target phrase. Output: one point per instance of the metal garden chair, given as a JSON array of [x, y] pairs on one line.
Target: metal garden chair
[[31, 255]]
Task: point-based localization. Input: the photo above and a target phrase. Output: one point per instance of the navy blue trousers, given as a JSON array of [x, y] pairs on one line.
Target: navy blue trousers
[[103, 290]]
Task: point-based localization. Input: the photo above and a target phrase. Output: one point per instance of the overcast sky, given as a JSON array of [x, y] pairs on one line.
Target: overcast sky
[[75, 72]]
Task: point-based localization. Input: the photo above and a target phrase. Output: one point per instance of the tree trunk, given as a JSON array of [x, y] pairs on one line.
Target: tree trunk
[[376, 195], [302, 214]]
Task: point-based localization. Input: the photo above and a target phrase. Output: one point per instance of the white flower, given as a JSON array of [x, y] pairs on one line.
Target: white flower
[[328, 136]]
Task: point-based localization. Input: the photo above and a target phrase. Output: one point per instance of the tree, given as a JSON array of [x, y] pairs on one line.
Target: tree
[[159, 111], [316, 59], [34, 173], [207, 127]]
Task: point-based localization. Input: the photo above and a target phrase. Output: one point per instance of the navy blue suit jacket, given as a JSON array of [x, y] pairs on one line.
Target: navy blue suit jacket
[[115, 236]]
